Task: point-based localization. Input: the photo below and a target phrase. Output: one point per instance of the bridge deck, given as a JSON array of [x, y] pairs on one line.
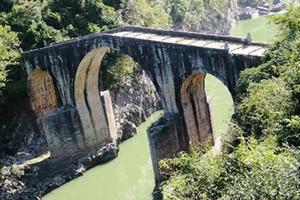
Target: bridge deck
[[238, 48], [235, 45]]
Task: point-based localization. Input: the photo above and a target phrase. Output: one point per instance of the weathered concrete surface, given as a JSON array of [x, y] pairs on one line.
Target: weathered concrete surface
[[108, 110], [168, 57], [63, 133], [88, 101]]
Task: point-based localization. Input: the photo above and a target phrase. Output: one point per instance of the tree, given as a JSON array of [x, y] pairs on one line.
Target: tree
[[148, 13], [81, 17], [26, 18], [9, 44]]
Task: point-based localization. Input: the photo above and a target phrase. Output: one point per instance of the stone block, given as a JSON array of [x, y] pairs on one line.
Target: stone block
[[109, 113], [63, 132]]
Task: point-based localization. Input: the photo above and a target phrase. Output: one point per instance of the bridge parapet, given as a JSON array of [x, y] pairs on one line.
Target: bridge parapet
[[233, 45]]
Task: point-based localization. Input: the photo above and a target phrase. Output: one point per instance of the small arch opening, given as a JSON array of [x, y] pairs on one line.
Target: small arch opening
[[207, 107]]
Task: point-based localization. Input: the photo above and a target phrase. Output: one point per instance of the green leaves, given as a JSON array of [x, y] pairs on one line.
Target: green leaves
[[116, 71], [198, 15], [26, 18], [263, 165], [268, 96], [9, 44], [80, 17], [253, 171], [268, 103], [146, 13]]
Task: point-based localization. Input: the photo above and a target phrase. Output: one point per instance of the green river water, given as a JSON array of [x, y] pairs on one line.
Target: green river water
[[130, 175]]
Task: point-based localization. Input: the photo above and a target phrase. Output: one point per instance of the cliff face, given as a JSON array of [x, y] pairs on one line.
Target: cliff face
[[133, 103]]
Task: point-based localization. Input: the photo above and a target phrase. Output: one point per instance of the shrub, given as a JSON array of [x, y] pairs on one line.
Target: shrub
[[253, 171], [263, 112]]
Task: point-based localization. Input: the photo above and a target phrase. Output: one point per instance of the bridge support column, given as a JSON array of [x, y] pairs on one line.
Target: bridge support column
[[164, 141]]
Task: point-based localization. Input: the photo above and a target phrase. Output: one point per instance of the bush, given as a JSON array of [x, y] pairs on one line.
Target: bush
[[8, 53], [268, 105], [116, 70], [253, 171]]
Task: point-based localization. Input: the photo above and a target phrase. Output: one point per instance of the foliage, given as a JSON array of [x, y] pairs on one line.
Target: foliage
[[263, 164], [269, 95], [146, 13], [117, 69], [80, 17], [8, 52], [268, 105], [26, 18], [198, 15], [253, 171]]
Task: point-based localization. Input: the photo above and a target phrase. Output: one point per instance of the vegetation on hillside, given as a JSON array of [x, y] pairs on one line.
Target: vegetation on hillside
[[8, 53], [263, 161]]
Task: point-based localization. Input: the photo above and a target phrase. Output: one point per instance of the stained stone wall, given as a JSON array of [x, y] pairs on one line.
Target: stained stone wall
[[196, 111], [42, 93], [109, 113], [63, 132]]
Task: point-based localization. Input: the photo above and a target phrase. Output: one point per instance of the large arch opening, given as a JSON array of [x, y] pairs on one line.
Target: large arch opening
[[207, 107], [92, 105]]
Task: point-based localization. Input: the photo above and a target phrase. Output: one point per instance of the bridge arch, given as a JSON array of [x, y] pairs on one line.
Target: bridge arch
[[207, 106], [88, 102]]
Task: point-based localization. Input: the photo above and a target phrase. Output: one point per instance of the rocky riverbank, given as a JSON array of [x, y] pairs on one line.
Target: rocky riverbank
[[30, 181]]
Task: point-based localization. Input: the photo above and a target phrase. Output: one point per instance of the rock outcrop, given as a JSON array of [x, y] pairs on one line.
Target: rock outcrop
[[133, 103]]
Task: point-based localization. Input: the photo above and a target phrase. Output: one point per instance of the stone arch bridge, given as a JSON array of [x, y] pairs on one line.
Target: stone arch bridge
[[75, 117]]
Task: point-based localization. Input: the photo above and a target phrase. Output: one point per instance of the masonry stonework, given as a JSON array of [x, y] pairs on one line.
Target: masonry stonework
[[168, 57]]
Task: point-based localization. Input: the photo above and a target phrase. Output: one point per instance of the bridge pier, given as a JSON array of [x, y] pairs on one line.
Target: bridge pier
[[165, 141]]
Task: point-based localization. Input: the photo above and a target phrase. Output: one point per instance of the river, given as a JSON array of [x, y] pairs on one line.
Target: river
[[130, 175]]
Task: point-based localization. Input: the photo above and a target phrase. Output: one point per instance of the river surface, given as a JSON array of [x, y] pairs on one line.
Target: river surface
[[130, 175]]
